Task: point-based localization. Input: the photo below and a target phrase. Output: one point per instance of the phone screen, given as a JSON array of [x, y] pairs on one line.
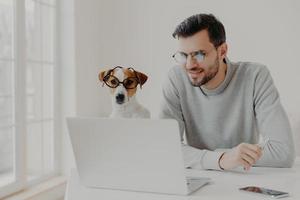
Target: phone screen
[[272, 193]]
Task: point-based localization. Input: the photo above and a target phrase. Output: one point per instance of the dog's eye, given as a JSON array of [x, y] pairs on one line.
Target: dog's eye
[[113, 82], [129, 82]]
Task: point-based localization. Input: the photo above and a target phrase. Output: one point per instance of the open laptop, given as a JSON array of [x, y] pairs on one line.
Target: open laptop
[[131, 154]]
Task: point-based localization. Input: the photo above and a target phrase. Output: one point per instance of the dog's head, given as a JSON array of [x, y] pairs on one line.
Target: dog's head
[[123, 82]]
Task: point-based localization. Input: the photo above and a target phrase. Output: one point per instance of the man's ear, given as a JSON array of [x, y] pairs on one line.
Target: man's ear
[[223, 50], [141, 77], [101, 75]]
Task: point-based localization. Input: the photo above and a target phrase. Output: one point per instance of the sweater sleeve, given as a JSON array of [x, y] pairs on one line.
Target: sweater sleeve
[[272, 123], [171, 108]]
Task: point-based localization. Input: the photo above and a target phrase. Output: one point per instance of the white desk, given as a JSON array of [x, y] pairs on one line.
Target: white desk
[[224, 186]]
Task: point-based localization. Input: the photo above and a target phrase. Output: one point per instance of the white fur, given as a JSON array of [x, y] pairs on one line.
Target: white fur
[[130, 108]]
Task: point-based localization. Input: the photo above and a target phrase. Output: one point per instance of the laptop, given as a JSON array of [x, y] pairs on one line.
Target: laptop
[[141, 155]]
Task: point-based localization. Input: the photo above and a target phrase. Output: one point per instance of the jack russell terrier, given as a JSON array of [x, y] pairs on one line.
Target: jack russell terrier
[[123, 84]]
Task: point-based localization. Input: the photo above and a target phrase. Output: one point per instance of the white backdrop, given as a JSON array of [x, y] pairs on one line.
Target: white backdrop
[[137, 33]]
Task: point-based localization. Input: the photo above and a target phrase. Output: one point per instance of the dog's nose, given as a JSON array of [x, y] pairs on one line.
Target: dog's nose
[[120, 98]]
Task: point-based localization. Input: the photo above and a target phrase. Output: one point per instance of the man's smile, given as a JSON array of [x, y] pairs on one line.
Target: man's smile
[[195, 74]]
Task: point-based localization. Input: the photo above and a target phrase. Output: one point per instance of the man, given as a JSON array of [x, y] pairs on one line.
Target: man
[[223, 107]]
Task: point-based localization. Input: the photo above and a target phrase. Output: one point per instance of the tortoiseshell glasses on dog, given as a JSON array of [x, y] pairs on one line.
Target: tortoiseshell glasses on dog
[[113, 82]]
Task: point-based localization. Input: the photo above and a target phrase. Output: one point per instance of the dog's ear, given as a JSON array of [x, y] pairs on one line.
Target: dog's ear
[[142, 77], [101, 75]]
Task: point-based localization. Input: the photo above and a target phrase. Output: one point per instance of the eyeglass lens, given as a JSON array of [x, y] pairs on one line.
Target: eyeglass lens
[[181, 57]]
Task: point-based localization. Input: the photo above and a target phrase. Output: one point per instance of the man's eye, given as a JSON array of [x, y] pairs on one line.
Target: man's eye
[[184, 55], [199, 53]]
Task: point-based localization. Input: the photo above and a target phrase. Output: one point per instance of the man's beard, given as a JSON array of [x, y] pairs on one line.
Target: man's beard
[[208, 77]]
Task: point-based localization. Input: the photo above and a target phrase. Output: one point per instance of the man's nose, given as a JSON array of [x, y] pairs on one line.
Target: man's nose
[[191, 62]]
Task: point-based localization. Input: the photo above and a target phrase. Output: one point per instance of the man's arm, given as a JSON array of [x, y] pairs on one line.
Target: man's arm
[[171, 108], [272, 123], [277, 150]]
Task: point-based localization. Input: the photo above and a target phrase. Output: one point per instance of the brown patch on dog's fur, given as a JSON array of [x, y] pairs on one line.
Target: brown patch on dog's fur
[[129, 73], [101, 75], [142, 77]]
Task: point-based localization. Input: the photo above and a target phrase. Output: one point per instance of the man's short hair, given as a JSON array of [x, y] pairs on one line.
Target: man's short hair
[[199, 22]]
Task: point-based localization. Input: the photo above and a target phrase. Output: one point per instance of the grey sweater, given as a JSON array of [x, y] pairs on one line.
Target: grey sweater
[[242, 108]]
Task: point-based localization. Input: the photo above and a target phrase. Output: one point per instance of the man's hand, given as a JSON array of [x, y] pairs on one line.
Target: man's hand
[[244, 155]]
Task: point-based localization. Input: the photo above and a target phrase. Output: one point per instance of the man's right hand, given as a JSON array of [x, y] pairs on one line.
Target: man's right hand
[[244, 155]]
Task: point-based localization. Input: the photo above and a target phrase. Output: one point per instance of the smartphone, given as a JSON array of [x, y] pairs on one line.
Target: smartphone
[[272, 193]]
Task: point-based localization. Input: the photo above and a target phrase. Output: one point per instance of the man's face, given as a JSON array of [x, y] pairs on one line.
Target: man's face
[[200, 73]]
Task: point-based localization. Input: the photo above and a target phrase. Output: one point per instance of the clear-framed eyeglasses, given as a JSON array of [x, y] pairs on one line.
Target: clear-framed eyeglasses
[[181, 57]]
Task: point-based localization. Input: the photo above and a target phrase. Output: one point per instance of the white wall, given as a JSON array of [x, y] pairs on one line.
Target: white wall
[[137, 33], [66, 61]]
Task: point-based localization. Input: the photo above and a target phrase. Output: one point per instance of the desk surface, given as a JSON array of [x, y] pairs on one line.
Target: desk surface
[[224, 185]]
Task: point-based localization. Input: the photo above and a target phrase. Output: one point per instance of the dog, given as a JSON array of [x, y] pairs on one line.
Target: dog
[[123, 84]]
